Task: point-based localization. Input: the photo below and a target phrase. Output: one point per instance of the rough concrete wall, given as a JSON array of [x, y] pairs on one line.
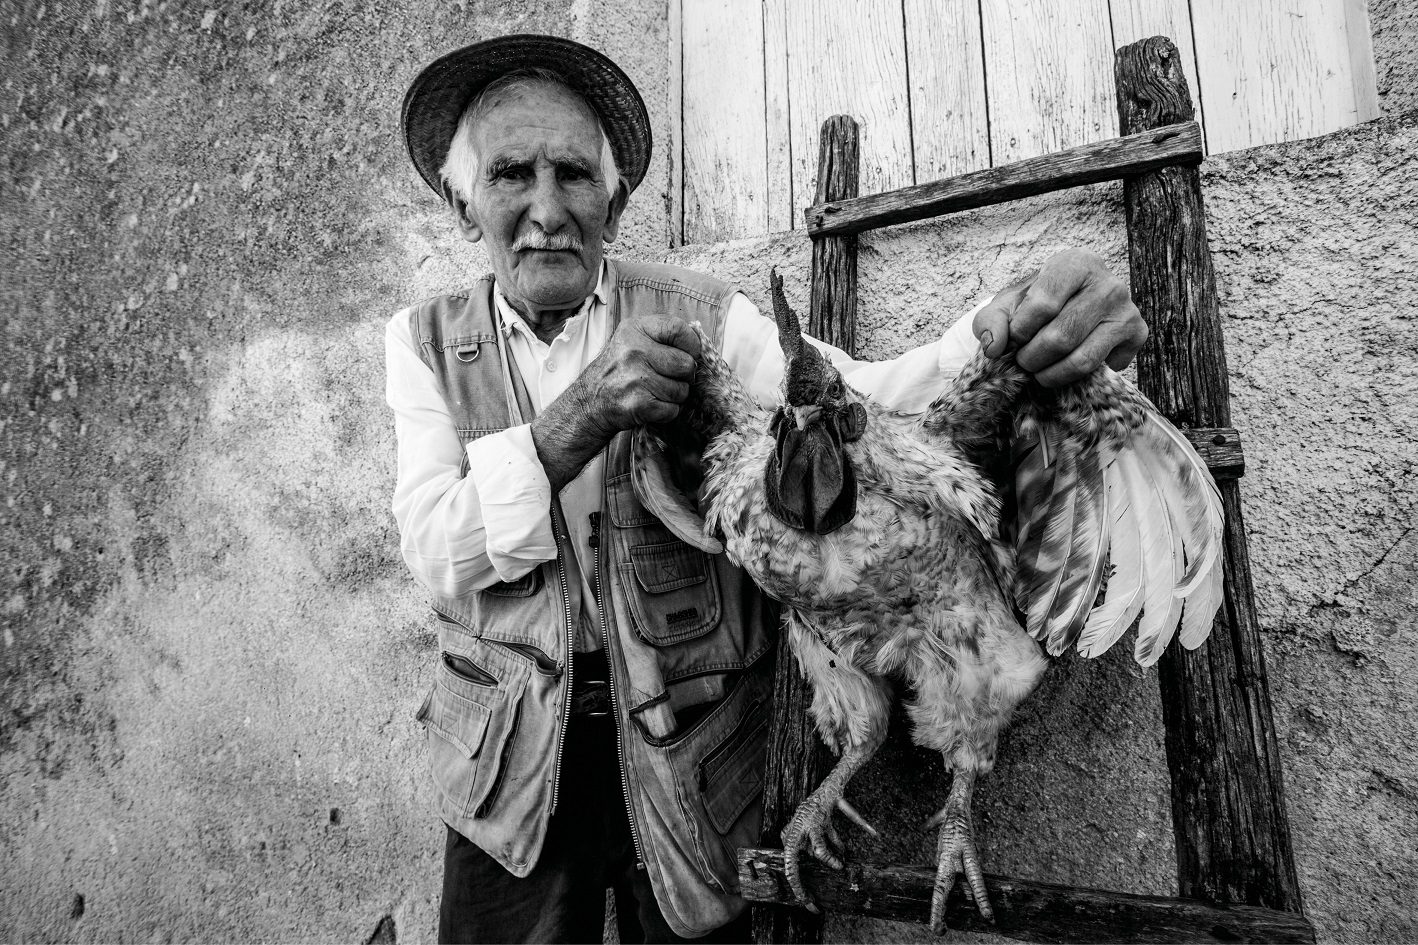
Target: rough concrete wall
[[1395, 28], [1314, 244], [211, 651]]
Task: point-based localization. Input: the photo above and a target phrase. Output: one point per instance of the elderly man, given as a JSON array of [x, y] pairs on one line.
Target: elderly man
[[600, 708]]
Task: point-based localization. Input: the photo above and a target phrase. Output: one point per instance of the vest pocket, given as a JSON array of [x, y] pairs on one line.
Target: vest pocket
[[470, 723], [679, 597], [731, 774], [719, 768], [676, 591]]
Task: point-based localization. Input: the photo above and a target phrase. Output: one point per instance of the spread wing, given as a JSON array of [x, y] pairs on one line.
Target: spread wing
[[1111, 513]]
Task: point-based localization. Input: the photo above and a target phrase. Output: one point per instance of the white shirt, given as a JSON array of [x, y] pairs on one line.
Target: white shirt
[[460, 534]]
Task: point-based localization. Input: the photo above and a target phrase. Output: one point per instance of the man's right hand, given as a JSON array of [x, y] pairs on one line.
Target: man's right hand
[[641, 376]]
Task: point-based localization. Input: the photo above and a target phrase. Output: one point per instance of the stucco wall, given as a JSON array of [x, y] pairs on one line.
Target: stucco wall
[[1395, 29], [211, 652]]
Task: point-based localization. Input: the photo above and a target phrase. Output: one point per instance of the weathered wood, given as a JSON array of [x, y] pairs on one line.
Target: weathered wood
[[848, 56], [950, 120], [1278, 71], [1139, 19], [782, 210], [796, 757], [1228, 799], [1086, 164], [1047, 64], [1220, 449], [726, 193], [1024, 910]]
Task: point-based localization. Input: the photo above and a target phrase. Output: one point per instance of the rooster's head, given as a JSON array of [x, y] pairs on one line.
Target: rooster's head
[[813, 389], [811, 485]]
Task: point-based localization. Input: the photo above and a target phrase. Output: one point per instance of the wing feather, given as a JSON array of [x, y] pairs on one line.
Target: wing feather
[[654, 486], [1123, 601], [1161, 554]]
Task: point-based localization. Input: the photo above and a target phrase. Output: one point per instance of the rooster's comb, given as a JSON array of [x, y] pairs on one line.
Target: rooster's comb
[[790, 333]]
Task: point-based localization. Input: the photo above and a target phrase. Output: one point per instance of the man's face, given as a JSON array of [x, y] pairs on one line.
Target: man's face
[[540, 183]]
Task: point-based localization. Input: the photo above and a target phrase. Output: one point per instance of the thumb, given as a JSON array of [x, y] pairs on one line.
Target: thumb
[[991, 325]]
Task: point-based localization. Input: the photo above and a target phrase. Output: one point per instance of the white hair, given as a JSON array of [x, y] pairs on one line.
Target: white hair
[[460, 168]]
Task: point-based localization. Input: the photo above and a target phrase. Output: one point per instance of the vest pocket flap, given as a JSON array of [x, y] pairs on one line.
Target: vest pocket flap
[[731, 774], [668, 566]]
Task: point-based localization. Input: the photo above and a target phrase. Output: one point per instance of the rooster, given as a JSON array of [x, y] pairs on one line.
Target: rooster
[[940, 551]]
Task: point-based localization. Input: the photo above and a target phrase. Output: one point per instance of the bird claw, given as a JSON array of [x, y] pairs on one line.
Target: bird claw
[[812, 827], [956, 854]]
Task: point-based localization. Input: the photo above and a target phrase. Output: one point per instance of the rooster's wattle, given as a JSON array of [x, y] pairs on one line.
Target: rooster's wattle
[[902, 546]]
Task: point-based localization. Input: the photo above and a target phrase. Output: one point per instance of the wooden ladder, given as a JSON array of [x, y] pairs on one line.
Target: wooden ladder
[[1236, 871]]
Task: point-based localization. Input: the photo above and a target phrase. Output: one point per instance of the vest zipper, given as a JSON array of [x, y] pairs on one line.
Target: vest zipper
[[560, 521], [615, 705]]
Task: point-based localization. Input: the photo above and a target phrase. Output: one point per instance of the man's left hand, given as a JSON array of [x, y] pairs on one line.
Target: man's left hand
[[1064, 321]]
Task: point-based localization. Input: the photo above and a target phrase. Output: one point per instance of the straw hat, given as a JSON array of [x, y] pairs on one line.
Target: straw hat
[[438, 96]]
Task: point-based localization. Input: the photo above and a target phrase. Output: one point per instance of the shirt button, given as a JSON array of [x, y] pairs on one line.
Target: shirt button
[[551, 366]]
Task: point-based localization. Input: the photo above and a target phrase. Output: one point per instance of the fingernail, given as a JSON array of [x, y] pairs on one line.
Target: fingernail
[[987, 338]]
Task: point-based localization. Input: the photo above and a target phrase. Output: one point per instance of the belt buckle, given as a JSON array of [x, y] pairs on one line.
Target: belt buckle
[[591, 699]]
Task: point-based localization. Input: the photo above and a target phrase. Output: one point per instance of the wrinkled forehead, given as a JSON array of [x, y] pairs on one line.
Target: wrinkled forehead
[[533, 115]]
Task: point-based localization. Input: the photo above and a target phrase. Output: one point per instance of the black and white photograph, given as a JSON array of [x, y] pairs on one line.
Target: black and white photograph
[[725, 471]]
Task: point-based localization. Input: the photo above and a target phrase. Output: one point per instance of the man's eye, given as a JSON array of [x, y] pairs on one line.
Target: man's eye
[[514, 172]]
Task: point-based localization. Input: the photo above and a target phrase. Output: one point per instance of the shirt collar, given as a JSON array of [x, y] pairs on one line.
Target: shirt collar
[[512, 321]]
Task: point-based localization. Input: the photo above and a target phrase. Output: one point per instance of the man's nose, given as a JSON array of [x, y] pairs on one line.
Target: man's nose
[[548, 208]]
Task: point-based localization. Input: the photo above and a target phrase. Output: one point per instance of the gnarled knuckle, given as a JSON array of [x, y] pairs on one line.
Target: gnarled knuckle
[[1082, 362]]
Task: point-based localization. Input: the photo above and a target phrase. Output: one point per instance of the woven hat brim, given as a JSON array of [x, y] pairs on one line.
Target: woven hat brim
[[440, 93]]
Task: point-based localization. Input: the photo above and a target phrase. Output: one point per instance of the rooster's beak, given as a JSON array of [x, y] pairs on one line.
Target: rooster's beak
[[805, 415]]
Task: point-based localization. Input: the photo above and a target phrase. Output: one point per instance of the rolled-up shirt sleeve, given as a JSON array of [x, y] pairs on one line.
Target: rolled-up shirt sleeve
[[907, 383], [459, 533]]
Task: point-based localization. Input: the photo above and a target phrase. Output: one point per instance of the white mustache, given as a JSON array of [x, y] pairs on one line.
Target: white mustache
[[537, 239]]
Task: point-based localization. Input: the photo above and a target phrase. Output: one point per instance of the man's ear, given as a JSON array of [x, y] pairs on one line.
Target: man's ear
[[468, 226], [613, 212]]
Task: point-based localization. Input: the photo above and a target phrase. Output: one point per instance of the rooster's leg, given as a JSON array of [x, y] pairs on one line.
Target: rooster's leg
[[955, 851], [851, 709], [813, 822]]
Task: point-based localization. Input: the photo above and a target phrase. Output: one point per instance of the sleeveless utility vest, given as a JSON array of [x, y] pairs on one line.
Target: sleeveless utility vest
[[687, 635]]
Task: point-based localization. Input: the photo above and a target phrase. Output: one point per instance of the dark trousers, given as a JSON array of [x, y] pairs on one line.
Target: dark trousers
[[588, 849]]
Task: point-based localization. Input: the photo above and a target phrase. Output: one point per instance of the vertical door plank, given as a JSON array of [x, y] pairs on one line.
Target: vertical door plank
[[1138, 19], [1275, 71], [725, 160], [1361, 59], [781, 209], [945, 59], [847, 57], [676, 99], [1048, 66]]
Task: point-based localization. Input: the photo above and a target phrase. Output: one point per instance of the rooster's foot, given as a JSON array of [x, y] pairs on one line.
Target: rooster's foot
[[812, 827], [956, 854]]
